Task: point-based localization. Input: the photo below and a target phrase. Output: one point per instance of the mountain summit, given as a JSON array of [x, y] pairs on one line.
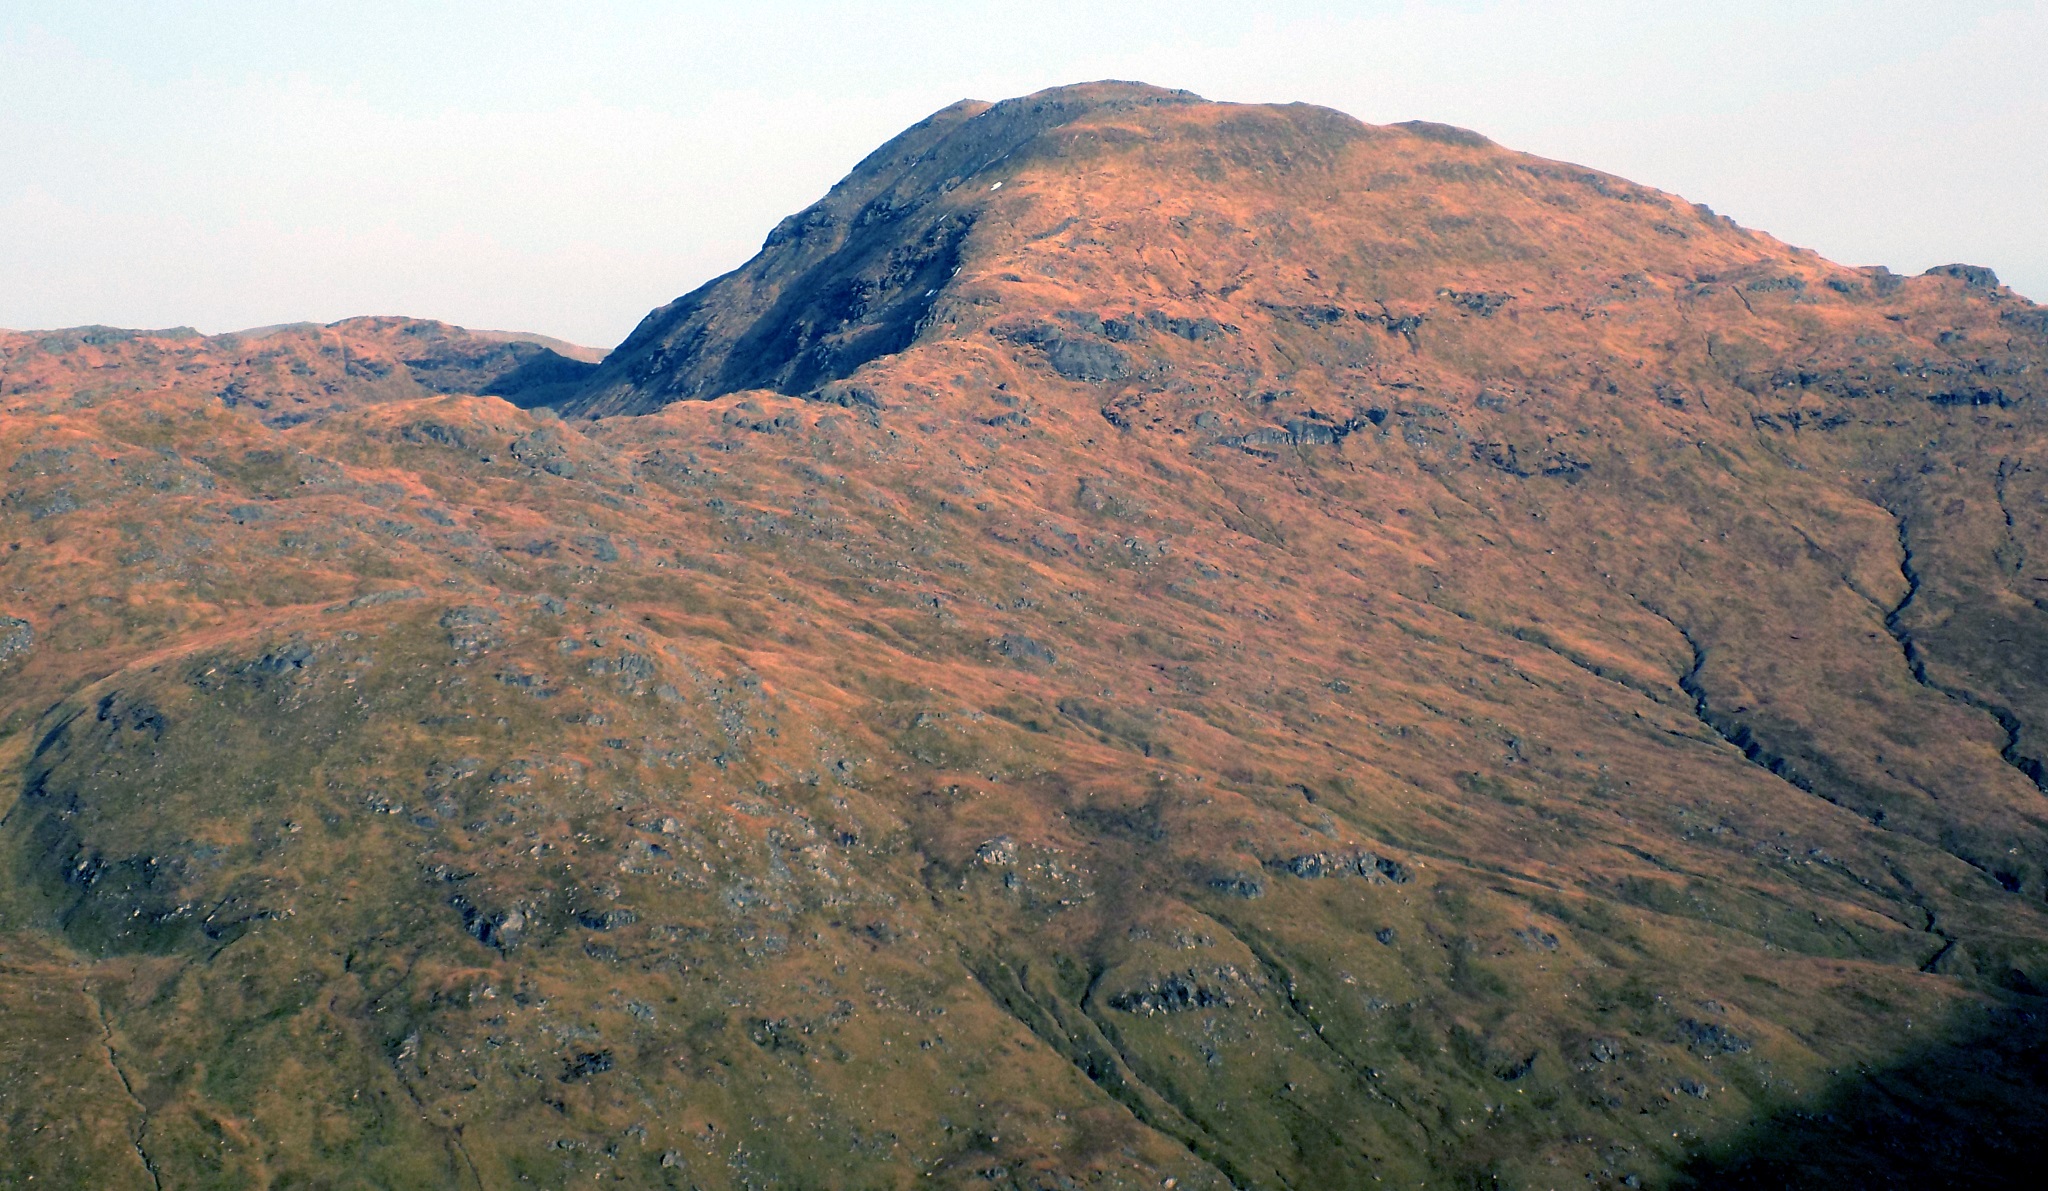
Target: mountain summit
[[1140, 642], [1116, 194]]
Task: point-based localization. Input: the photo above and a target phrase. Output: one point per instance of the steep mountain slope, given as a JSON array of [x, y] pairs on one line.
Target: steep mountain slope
[[1138, 640]]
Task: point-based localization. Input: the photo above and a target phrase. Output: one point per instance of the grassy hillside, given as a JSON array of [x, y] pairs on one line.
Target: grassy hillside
[[1326, 656]]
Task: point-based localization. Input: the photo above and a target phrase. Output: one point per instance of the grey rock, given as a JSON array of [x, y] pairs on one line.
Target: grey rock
[[585, 1064], [1084, 360], [1023, 650], [498, 929], [1314, 865], [1974, 276], [1244, 885], [17, 637], [1708, 1039], [1177, 993], [1477, 302]]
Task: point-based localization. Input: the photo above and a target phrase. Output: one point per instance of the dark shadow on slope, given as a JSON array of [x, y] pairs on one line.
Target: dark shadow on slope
[[866, 301], [543, 378], [1968, 1109]]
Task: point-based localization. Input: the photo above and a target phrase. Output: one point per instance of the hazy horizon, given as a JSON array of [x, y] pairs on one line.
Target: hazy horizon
[[523, 167]]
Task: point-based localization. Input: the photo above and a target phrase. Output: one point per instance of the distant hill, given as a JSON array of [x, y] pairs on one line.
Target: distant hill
[[294, 371], [416, 327], [1139, 643]]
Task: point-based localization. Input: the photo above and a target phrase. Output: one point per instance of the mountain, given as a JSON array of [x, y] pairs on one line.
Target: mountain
[[1139, 642]]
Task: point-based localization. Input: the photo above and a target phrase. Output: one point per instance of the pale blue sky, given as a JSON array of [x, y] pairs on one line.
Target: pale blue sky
[[563, 168]]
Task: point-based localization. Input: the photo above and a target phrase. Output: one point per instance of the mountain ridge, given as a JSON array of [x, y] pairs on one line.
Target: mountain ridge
[[372, 356], [833, 287]]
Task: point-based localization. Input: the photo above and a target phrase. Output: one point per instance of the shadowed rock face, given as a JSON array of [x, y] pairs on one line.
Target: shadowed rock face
[[1260, 651], [856, 275]]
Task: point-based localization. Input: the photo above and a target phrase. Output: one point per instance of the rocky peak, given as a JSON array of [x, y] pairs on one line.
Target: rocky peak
[[1119, 198]]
